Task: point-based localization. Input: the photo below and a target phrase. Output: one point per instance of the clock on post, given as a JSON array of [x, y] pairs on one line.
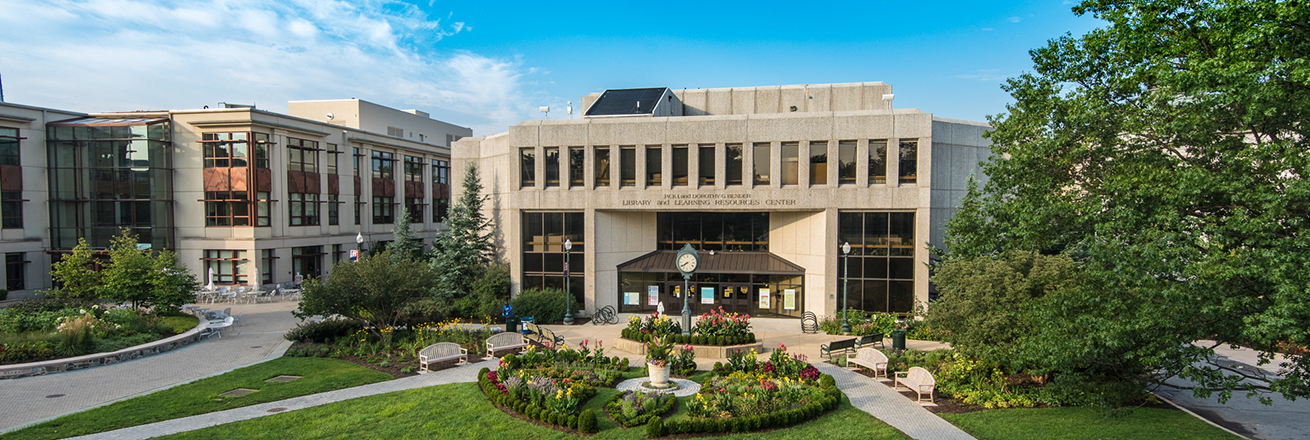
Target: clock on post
[[688, 260]]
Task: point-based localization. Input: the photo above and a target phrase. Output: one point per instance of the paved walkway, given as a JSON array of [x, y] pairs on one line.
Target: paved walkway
[[887, 405], [1284, 420], [258, 337]]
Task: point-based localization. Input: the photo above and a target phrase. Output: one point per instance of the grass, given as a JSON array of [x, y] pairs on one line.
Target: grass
[[199, 397], [462, 411], [1082, 423]]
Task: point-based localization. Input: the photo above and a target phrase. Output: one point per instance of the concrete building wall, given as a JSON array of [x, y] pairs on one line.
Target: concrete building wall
[[417, 126]]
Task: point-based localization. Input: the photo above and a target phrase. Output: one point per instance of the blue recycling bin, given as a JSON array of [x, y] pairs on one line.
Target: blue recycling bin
[[526, 320]]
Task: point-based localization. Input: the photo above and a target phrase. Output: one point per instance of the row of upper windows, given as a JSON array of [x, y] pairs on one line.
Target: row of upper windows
[[233, 209], [816, 158], [234, 149]]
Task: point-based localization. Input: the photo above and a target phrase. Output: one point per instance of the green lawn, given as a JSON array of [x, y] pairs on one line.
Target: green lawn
[[462, 411], [317, 375], [1081, 423]]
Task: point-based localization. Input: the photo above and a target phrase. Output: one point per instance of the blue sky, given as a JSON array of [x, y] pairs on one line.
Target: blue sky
[[488, 65]]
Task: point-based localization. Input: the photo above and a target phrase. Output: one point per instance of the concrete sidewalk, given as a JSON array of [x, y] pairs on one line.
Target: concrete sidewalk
[[258, 337]]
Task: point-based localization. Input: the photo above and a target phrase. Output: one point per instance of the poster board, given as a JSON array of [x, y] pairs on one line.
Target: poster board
[[630, 298], [652, 295], [764, 298], [707, 295], [789, 299]]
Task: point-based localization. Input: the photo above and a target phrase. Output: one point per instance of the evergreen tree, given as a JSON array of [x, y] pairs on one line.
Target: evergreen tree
[[405, 244], [461, 254]]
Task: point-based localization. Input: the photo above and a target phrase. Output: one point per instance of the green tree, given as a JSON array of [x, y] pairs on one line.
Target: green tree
[[1166, 152], [145, 278], [376, 290], [405, 243], [76, 274], [462, 254]]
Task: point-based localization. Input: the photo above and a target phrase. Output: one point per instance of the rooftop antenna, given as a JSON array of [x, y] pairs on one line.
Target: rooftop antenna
[[545, 112], [2, 88]]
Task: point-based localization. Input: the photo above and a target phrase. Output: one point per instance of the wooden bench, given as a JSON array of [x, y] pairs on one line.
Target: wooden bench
[[809, 322], [870, 340], [842, 346], [543, 334], [871, 359], [441, 352], [505, 341], [918, 380]]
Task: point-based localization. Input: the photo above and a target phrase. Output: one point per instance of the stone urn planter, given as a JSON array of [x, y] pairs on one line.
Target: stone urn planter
[[659, 375]]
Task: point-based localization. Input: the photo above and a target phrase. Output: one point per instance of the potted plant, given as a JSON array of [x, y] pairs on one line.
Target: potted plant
[[658, 356]]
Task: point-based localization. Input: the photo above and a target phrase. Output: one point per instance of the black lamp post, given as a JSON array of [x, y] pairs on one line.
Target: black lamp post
[[845, 288], [568, 297], [359, 243]]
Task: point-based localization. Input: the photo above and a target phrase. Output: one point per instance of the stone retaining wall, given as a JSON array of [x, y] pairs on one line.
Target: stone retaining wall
[[702, 351], [98, 359]]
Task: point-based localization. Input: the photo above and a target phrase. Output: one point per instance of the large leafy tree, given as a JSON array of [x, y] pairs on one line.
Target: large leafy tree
[[375, 290], [145, 278], [1167, 152], [76, 274]]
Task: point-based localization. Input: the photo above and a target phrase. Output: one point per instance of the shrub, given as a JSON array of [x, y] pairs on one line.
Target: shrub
[[543, 304], [587, 421], [573, 421], [655, 428], [826, 381], [323, 331]]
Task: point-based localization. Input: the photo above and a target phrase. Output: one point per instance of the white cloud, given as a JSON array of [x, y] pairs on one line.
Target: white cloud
[[112, 55], [1015, 19], [985, 75]]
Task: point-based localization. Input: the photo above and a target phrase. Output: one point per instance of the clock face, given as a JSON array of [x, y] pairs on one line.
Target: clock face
[[687, 262]]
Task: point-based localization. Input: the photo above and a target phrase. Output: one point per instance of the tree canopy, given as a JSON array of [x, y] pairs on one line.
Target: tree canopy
[[1167, 153], [376, 290]]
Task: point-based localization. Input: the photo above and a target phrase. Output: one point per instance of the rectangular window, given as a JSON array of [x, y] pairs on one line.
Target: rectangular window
[[358, 204], [761, 166], [544, 260], [846, 167], [735, 155], [791, 164], [627, 166], [441, 210], [577, 157], [413, 169], [302, 155], [223, 150], [415, 207], [356, 156], [307, 261], [440, 201], [654, 165], [229, 267], [11, 209], [15, 271], [881, 262], [333, 156], [680, 165], [338, 255], [717, 231], [909, 172], [706, 169], [334, 209], [527, 167], [304, 209], [552, 166], [441, 172], [384, 165], [262, 212], [818, 162], [602, 167], [9, 146], [878, 161], [227, 208], [266, 264], [383, 210]]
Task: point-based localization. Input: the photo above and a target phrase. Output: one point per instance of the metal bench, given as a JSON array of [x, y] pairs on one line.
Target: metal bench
[[505, 341], [809, 322], [543, 334], [871, 359], [870, 340], [842, 346], [441, 352], [918, 380]]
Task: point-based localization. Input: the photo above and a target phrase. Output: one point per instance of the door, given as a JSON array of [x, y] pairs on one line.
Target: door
[[737, 298]]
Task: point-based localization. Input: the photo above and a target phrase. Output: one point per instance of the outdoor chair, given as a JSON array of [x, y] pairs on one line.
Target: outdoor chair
[[216, 327]]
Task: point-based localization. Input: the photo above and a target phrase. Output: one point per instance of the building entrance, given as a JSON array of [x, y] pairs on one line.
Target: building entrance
[[753, 283]]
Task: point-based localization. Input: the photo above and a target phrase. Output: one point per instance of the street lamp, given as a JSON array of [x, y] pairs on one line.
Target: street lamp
[[845, 288], [359, 242], [568, 299]]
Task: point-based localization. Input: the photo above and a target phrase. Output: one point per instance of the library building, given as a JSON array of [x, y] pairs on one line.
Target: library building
[[767, 184]]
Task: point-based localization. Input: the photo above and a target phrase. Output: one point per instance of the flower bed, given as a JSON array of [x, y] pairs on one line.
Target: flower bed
[[38, 330], [714, 328], [548, 385], [632, 408]]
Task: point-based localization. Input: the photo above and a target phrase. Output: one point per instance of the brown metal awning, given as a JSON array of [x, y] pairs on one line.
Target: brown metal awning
[[88, 122], [763, 263]]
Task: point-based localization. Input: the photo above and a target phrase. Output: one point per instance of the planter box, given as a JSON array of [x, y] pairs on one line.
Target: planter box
[[98, 359], [702, 351]]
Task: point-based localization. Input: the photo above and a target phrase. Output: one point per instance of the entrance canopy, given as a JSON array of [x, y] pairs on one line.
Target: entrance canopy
[[763, 263]]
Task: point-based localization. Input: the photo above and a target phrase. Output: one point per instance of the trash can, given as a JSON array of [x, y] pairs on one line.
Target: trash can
[[524, 320], [512, 324], [898, 339]]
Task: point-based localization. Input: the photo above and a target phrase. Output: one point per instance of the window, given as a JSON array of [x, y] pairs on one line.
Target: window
[[266, 264], [878, 161], [262, 217], [227, 208], [415, 207], [413, 169], [356, 157], [733, 163], [527, 167], [706, 165], [9, 146], [909, 171], [383, 210], [654, 165], [576, 166], [337, 254], [358, 204], [229, 267], [11, 209], [680, 165], [846, 162], [791, 163], [334, 209], [307, 261], [304, 209], [627, 166], [761, 166], [15, 271], [302, 155], [441, 172], [440, 198], [333, 157], [552, 166], [224, 150], [602, 166], [881, 265], [544, 234], [383, 165], [717, 231], [818, 162]]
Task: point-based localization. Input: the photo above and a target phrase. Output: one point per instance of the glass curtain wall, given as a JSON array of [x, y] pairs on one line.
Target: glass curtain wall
[[544, 234], [713, 231], [881, 260]]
